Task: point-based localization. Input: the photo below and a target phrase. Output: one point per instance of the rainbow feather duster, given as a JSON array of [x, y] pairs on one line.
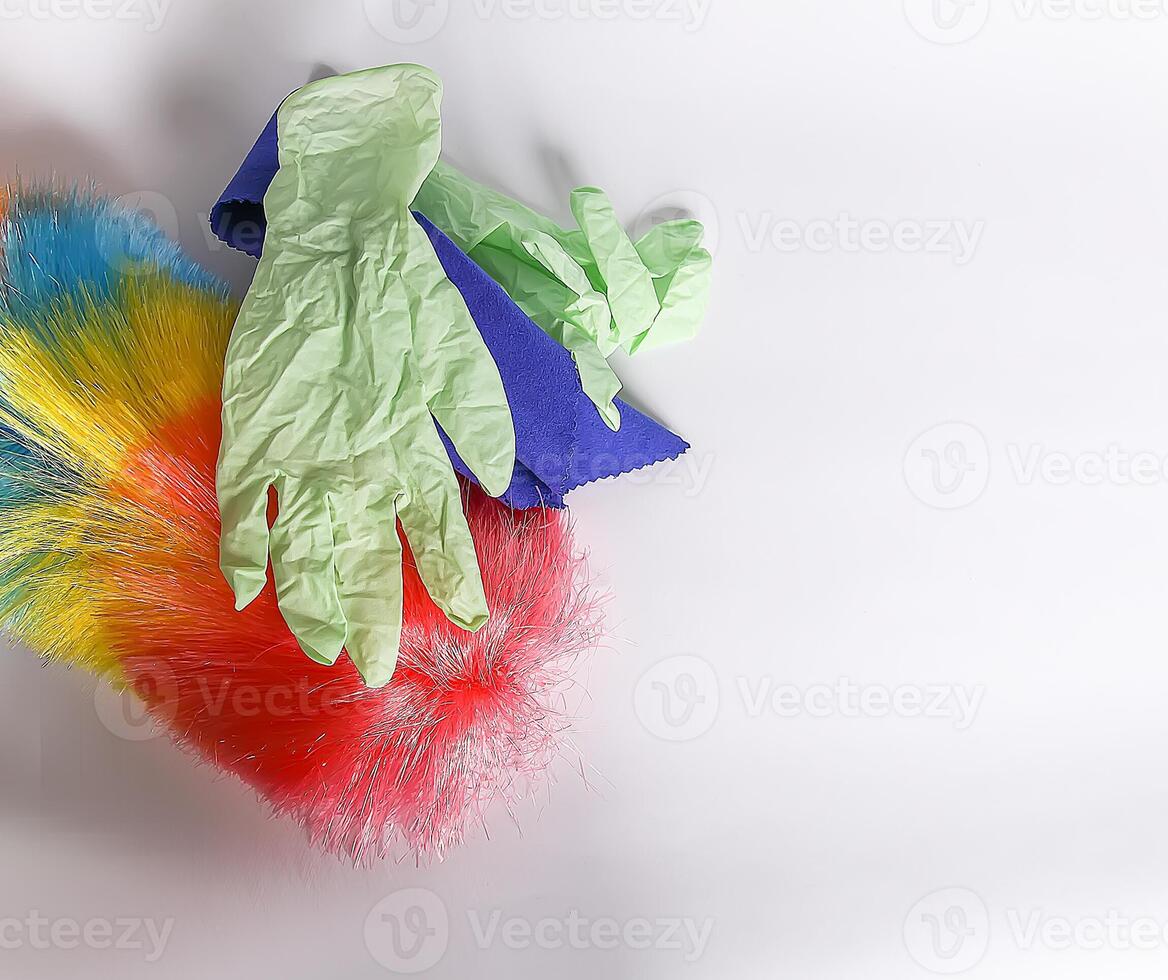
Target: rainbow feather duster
[[111, 357]]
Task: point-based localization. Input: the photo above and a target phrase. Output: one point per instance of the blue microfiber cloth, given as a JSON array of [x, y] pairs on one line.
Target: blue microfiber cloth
[[560, 440]]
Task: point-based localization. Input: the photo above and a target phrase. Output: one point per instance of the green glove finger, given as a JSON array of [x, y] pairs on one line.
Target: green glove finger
[[444, 551], [243, 540], [367, 556], [302, 565], [585, 329], [598, 380], [681, 271], [589, 312], [664, 247], [683, 303], [462, 385], [628, 285]]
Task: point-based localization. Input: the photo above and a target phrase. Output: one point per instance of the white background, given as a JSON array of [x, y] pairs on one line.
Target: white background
[[815, 544]]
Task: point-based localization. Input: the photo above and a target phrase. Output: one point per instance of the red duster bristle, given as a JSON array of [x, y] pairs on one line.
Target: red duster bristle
[[467, 718]]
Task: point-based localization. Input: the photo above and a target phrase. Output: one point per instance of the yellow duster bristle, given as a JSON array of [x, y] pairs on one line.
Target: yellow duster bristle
[[63, 622], [114, 371], [90, 388]]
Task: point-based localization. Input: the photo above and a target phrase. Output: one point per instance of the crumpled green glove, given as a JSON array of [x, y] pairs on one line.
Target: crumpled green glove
[[349, 339], [590, 288]]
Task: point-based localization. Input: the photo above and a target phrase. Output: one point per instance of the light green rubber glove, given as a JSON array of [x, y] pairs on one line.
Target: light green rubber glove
[[349, 339], [590, 288]]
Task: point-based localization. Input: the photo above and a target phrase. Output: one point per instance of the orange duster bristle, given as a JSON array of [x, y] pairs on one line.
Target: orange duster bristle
[[109, 429]]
